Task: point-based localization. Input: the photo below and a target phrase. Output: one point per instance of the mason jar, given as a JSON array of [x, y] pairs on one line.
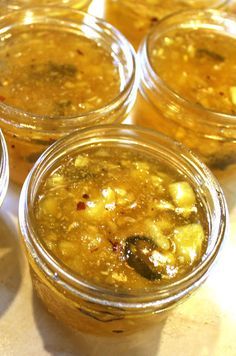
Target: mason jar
[[194, 103], [4, 168], [6, 7], [93, 307], [135, 18], [231, 7], [83, 74]]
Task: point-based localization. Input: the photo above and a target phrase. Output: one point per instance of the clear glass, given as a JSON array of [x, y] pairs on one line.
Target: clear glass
[[231, 7], [8, 6], [212, 135], [4, 168], [135, 18], [96, 310], [27, 135]]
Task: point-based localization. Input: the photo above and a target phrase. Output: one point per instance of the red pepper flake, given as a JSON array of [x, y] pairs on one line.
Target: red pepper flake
[[2, 98], [115, 246], [79, 52], [85, 196], [81, 205], [154, 20]]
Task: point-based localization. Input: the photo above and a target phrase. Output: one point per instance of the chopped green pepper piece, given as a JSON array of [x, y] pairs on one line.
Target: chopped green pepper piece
[[204, 52], [138, 250]]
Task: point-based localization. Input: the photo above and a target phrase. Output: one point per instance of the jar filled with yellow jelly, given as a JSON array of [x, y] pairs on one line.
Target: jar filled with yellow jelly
[[61, 70], [231, 7], [120, 224], [188, 83], [7, 6], [134, 18], [4, 168]]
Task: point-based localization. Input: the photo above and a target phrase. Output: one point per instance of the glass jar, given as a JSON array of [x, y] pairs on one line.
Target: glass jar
[[27, 134], [6, 7], [135, 18], [104, 311], [4, 168], [231, 7], [211, 134]]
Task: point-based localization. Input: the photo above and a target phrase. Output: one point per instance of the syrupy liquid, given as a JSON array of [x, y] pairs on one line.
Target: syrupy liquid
[[120, 220]]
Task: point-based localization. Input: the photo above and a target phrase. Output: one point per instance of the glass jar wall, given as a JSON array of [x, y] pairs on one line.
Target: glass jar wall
[[67, 291], [4, 168], [135, 18], [188, 93], [6, 6], [84, 74]]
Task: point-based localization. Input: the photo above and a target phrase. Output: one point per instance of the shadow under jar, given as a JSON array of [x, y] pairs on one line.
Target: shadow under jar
[[61, 70], [187, 87], [4, 168], [120, 224], [7, 6], [135, 18]]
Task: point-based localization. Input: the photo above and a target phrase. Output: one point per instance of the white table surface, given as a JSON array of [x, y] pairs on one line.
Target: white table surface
[[203, 325]]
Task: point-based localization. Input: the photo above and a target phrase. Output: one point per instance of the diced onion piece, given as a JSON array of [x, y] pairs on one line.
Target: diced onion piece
[[68, 248], [120, 191], [55, 180], [165, 224], [157, 236], [189, 240], [233, 95], [182, 195], [120, 277], [164, 205], [81, 161], [142, 166], [168, 41], [52, 236], [162, 259], [109, 195], [102, 153], [95, 210], [128, 199], [49, 206], [156, 180]]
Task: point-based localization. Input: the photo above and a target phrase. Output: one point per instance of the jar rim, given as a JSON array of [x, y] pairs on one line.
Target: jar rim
[[4, 168], [218, 4], [220, 18], [136, 137], [60, 13], [15, 6]]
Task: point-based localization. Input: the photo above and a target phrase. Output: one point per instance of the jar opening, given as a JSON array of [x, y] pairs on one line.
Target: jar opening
[[154, 144], [91, 28], [18, 4], [209, 21]]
